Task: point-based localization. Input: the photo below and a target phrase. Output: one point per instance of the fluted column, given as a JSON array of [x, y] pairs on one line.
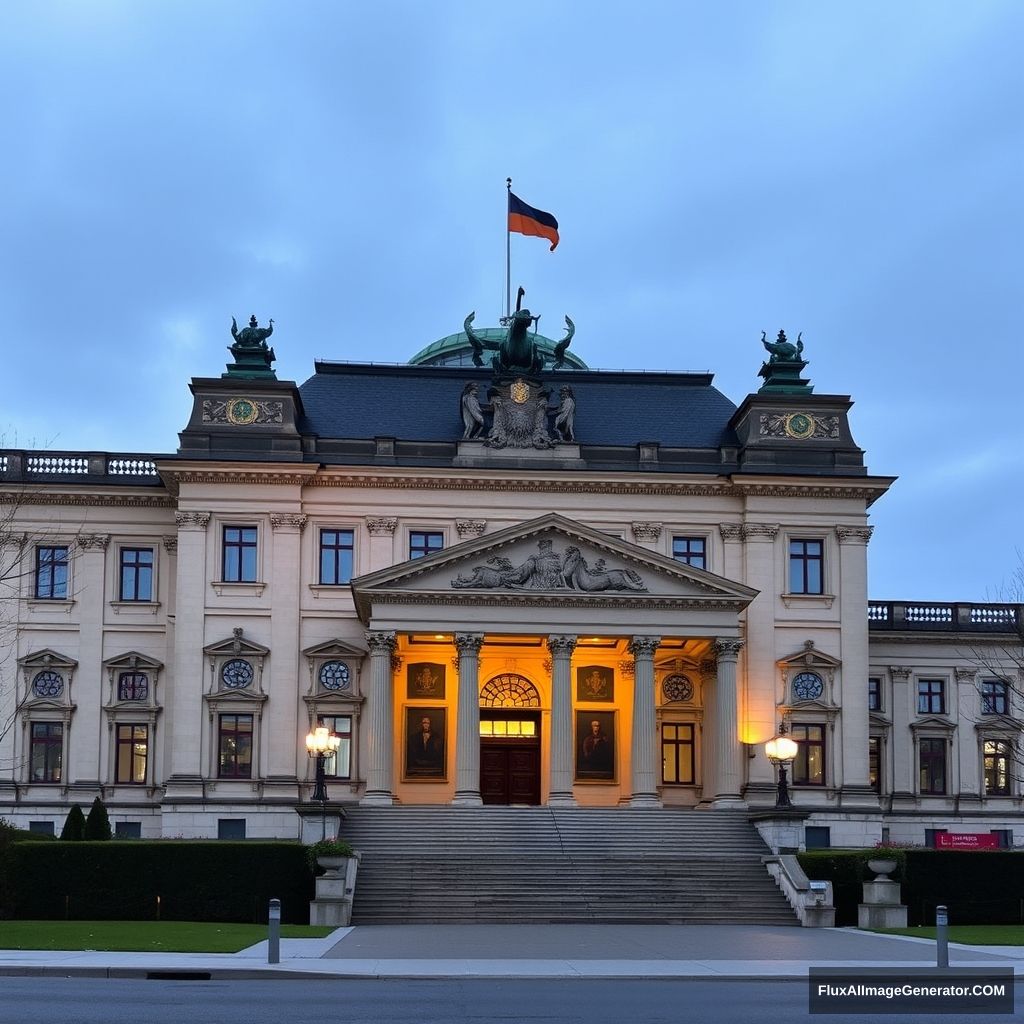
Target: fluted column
[[728, 752], [185, 683], [560, 790], [380, 719], [644, 772], [467, 740]]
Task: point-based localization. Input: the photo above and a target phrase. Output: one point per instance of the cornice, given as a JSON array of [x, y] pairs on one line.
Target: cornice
[[553, 599], [87, 498], [290, 478]]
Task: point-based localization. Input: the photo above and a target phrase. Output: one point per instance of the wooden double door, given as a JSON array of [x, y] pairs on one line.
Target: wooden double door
[[509, 756]]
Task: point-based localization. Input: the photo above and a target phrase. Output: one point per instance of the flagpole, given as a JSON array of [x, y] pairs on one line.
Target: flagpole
[[508, 255]]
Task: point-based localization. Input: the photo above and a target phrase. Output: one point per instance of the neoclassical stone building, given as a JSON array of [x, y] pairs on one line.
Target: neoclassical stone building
[[519, 583]]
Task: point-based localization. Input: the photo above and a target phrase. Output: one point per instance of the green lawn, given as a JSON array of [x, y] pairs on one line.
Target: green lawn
[[144, 936], [972, 934]]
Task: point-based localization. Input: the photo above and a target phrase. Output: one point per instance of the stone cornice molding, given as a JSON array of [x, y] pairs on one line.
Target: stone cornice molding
[[93, 541], [170, 544], [561, 644], [469, 528], [646, 531], [854, 534], [728, 649], [381, 641], [759, 531], [643, 647], [731, 531], [85, 498], [284, 520], [192, 520], [381, 526], [469, 643], [556, 599]]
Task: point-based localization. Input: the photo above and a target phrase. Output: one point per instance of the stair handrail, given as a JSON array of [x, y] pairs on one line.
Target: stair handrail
[[812, 901]]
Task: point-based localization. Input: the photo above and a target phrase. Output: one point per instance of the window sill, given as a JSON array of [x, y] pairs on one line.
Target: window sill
[[149, 607], [796, 600], [64, 604], [223, 588], [319, 590]]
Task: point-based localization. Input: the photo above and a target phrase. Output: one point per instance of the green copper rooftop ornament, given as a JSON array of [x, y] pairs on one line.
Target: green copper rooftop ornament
[[251, 352], [782, 371]]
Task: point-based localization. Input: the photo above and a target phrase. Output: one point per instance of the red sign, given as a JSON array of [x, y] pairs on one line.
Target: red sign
[[966, 841]]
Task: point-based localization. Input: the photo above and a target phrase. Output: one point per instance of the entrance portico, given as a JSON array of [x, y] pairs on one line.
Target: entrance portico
[[590, 623]]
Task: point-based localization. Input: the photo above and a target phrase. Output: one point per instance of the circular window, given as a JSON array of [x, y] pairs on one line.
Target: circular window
[[676, 688], [334, 675], [237, 674], [48, 684], [808, 686]]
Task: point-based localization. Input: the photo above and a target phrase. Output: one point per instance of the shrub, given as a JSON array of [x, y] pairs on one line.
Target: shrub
[[74, 825], [97, 825]]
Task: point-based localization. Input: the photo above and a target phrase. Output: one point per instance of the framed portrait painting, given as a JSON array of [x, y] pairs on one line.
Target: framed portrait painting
[[595, 746], [426, 732]]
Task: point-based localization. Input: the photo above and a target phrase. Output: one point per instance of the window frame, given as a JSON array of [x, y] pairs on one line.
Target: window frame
[[685, 557], [224, 734], [804, 559], [53, 565], [52, 749], [926, 700], [800, 774], [876, 692], [678, 745], [131, 742], [337, 550], [875, 762], [415, 553], [995, 697], [1004, 754], [938, 754], [122, 595], [331, 760], [242, 545]]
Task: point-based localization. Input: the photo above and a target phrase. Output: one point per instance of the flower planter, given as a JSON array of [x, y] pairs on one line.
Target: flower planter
[[882, 867]]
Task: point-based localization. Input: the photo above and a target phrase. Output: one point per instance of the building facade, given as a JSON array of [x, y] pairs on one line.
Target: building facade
[[526, 584]]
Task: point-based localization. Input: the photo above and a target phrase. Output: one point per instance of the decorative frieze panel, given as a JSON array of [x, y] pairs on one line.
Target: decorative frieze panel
[[242, 412], [799, 426]]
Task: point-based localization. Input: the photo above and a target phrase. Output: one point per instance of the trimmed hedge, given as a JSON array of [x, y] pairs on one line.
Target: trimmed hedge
[[978, 886], [145, 881]]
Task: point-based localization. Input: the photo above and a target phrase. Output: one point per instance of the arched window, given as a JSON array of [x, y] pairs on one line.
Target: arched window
[[509, 691]]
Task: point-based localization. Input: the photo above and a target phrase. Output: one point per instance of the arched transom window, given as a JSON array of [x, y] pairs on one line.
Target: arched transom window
[[509, 691]]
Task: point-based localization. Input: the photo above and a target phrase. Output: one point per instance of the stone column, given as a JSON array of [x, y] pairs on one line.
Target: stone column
[[467, 740], [281, 721], [728, 751], [184, 697], [382, 541], [644, 771], [85, 773], [853, 640], [380, 720], [560, 790]]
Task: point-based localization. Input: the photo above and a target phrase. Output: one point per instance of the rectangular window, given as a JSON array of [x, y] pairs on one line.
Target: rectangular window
[[997, 768], [132, 753], [136, 574], [336, 548], [809, 766], [875, 763], [424, 543], [41, 828], [132, 686], [231, 828], [239, 554], [931, 696], [817, 837], [235, 747], [52, 573], [994, 697], [874, 693], [805, 565], [127, 829], [932, 753], [339, 764], [46, 755], [691, 550], [677, 761]]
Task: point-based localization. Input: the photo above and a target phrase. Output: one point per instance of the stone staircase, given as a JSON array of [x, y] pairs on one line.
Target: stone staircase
[[540, 864]]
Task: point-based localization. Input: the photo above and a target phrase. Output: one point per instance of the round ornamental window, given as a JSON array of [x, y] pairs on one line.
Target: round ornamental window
[[808, 686], [237, 674], [677, 688], [334, 675], [48, 684]]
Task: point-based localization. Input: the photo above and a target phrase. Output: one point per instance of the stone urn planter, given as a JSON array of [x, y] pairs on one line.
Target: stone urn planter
[[882, 867], [335, 890], [332, 865]]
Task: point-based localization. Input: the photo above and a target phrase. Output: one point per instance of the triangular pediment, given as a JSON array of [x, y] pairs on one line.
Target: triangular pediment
[[237, 645], [335, 649], [545, 561]]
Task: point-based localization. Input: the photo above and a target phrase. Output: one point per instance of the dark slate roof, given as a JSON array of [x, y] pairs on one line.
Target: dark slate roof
[[421, 403]]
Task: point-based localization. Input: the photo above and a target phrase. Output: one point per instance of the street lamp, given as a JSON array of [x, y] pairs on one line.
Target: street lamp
[[781, 751], [320, 744]]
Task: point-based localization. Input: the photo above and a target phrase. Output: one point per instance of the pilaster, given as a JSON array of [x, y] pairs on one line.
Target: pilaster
[[382, 541]]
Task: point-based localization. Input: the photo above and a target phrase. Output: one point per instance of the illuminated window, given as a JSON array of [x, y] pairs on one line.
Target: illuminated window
[[809, 766], [132, 754], [677, 755]]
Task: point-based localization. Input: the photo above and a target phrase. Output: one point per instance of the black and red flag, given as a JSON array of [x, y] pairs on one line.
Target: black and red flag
[[525, 220]]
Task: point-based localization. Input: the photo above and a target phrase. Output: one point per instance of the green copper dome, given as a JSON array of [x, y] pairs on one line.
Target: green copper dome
[[455, 350]]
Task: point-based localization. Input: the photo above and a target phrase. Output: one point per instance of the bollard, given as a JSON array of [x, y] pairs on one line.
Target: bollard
[[941, 937], [274, 933]]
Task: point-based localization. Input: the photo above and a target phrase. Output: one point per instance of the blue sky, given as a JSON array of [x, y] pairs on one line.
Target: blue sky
[[851, 170]]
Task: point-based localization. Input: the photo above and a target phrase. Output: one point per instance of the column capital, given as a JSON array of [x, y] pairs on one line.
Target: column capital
[[561, 644], [381, 641], [730, 531], [966, 675], [470, 528], [728, 649], [646, 531], [469, 643], [170, 544], [899, 672], [627, 667], [286, 520], [93, 541], [381, 526], [643, 646], [854, 534], [192, 520], [759, 531]]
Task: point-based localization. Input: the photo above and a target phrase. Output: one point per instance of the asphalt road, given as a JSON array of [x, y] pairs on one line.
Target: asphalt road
[[473, 1001]]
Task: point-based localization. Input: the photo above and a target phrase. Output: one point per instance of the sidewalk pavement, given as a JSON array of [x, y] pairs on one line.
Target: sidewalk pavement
[[532, 951]]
